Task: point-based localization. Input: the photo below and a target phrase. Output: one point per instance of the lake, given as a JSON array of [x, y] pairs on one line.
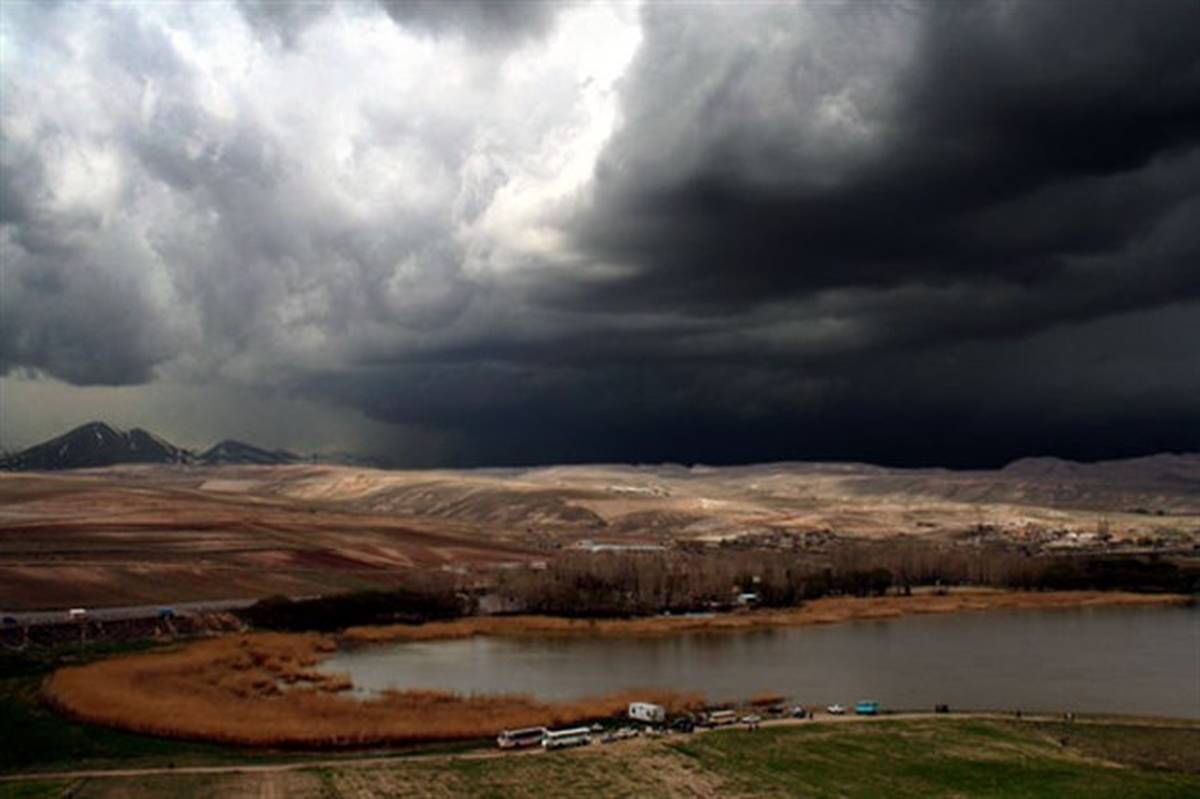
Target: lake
[[1142, 661]]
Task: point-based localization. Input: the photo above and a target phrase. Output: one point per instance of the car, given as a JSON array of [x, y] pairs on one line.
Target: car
[[836, 710], [867, 707], [683, 724], [798, 712]]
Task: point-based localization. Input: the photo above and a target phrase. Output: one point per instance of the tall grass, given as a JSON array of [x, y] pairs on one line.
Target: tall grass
[[263, 690]]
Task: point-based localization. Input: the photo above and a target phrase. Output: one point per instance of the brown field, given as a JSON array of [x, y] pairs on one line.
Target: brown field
[[261, 689], [827, 610], [147, 534]]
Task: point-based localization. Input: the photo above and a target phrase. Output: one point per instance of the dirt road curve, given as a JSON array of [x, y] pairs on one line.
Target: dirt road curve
[[485, 754]]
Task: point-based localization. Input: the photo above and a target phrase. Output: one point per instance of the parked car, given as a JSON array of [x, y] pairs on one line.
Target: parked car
[[836, 710], [941, 708], [683, 724], [798, 712], [867, 707]]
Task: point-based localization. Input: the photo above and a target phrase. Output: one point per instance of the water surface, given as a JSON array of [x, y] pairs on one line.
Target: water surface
[[1100, 660]]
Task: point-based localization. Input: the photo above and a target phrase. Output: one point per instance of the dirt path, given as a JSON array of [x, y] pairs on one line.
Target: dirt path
[[489, 754]]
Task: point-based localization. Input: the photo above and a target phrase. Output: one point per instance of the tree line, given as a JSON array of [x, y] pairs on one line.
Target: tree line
[[626, 584]]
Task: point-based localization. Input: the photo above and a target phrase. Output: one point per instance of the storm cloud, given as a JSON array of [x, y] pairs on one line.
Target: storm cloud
[[911, 233]]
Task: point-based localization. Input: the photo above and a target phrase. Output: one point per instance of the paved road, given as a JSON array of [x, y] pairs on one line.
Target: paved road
[[127, 611]]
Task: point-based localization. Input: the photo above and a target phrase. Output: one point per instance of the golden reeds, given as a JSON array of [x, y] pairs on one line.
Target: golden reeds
[[261, 689]]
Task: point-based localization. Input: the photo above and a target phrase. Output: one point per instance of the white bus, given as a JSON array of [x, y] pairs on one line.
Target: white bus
[[576, 736], [519, 739], [719, 718], [644, 711]]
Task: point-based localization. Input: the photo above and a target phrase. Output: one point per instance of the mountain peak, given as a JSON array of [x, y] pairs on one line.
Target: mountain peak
[[96, 444]]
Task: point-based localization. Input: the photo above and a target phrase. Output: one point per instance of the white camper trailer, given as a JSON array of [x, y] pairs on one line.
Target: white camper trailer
[[644, 711]]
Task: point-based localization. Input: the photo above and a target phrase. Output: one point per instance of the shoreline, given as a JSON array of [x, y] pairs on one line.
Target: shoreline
[[826, 610], [263, 689]]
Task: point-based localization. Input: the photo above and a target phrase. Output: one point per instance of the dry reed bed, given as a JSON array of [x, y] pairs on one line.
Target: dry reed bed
[[262, 689], [827, 610]]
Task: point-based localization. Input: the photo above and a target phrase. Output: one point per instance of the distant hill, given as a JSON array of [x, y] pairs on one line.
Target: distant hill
[[239, 452], [96, 444], [1183, 469]]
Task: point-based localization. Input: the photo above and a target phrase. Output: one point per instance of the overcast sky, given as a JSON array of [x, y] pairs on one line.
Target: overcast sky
[[500, 233]]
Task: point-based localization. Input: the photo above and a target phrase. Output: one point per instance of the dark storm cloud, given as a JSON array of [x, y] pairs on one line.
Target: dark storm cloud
[[1016, 137], [913, 233], [1018, 168]]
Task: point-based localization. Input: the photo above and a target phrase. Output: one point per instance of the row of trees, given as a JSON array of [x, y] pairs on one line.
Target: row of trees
[[643, 583], [625, 584]]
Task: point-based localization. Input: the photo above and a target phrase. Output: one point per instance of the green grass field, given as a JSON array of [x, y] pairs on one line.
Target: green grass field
[[954, 758], [36, 738], [943, 757]]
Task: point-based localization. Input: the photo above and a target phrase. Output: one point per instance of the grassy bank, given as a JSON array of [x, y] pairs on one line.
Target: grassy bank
[[263, 690], [828, 610], [37, 738], [913, 758]]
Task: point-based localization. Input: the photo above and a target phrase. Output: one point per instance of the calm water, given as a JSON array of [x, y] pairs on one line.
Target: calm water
[[1118, 660]]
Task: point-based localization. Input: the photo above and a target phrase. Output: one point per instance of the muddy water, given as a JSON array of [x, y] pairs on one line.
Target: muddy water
[[1109, 660]]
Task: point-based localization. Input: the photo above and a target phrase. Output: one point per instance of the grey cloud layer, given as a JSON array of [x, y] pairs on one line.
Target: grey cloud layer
[[838, 230]]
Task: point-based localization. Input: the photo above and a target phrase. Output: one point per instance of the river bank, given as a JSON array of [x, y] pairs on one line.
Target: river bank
[[826, 610]]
